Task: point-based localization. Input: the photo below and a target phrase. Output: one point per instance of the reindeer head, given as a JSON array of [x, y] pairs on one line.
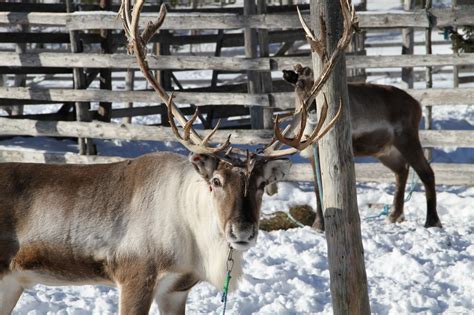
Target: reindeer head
[[236, 194], [236, 178]]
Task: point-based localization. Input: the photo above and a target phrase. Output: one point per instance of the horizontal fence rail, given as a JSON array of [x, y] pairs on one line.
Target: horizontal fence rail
[[100, 130], [446, 174], [180, 21], [122, 61], [52, 62], [282, 100]]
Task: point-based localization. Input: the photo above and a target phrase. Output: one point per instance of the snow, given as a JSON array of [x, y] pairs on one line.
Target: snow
[[410, 269]]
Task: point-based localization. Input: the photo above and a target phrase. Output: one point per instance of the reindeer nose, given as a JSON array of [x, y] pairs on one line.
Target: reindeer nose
[[242, 232]]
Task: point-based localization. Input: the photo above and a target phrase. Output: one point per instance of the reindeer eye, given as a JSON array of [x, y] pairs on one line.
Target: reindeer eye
[[216, 182]]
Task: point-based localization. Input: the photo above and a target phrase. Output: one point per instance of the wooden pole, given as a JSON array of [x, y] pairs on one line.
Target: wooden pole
[[429, 82], [454, 4], [265, 77], [164, 76], [250, 44], [20, 79], [408, 48], [341, 216], [129, 86], [86, 146], [105, 108]]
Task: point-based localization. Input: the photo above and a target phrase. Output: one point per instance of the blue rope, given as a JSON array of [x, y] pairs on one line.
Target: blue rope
[[386, 208], [317, 167]]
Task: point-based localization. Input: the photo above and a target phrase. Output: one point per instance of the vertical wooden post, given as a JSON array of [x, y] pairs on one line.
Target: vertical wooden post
[[342, 222], [217, 53], [82, 108], [265, 77], [129, 86], [454, 4], [429, 82], [164, 76], [408, 48], [105, 108], [250, 43], [20, 79]]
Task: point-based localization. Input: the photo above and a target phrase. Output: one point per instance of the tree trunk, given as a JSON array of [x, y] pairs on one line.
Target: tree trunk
[[342, 222]]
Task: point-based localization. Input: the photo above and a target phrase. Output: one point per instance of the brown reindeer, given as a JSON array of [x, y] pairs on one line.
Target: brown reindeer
[[384, 121], [153, 226]]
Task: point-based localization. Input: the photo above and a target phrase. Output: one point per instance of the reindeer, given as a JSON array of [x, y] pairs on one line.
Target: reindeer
[[384, 121], [152, 226]]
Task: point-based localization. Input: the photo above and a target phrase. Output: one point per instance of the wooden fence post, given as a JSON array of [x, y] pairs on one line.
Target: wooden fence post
[[265, 77], [20, 79], [105, 108], [345, 251], [250, 43], [129, 86], [86, 146], [429, 82], [408, 48]]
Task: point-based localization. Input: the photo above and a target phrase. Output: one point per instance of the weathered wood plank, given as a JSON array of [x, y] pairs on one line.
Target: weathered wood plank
[[27, 127], [174, 21], [150, 97], [283, 100], [445, 138], [446, 174], [100, 130], [122, 61], [33, 156], [281, 63]]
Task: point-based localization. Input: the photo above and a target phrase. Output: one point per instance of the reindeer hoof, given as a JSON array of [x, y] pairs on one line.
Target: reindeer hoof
[[433, 223], [396, 218]]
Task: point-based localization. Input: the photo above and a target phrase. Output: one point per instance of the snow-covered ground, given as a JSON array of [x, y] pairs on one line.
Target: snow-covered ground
[[410, 269]]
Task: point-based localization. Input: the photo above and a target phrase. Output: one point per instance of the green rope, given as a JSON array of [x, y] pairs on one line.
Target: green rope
[[292, 218], [225, 290]]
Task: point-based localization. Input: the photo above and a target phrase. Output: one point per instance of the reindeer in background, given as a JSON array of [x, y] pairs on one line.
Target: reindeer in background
[[385, 122]]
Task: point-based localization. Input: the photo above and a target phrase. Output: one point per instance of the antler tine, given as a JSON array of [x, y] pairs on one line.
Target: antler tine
[[329, 125], [318, 46], [350, 22], [189, 124], [152, 27], [137, 43], [209, 136], [315, 134], [173, 126]]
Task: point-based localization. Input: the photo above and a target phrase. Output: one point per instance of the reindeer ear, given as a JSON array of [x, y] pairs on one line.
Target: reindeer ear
[[276, 170], [205, 165], [290, 76]]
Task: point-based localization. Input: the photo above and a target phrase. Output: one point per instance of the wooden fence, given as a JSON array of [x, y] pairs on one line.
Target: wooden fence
[[278, 26]]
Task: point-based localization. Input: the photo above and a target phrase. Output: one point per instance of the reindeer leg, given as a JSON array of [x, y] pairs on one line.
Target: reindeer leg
[[395, 161], [410, 147], [10, 292], [172, 292], [137, 281]]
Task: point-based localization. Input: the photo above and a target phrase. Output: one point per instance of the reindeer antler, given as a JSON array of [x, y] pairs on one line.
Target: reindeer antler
[[137, 44], [297, 143]]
